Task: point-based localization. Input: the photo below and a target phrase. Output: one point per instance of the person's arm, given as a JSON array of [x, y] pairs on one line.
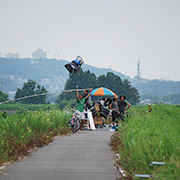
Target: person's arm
[[118, 110], [128, 104], [111, 107], [77, 94], [89, 94]]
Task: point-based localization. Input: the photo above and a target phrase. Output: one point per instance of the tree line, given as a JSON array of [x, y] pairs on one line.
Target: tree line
[[86, 79], [28, 89]]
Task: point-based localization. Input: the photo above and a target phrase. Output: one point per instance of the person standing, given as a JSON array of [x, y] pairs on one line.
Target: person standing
[[80, 103], [107, 103], [123, 105], [87, 103], [114, 107]]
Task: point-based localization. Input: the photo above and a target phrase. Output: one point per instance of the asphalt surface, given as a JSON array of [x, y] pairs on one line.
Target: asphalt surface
[[80, 156]]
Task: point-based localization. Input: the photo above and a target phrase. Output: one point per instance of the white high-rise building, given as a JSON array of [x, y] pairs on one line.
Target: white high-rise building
[[39, 54], [11, 55]]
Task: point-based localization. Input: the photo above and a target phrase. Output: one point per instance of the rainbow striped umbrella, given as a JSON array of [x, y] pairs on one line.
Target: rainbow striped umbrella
[[102, 92]]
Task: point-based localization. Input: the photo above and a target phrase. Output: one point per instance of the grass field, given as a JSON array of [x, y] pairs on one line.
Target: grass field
[[25, 107], [146, 137], [22, 132]]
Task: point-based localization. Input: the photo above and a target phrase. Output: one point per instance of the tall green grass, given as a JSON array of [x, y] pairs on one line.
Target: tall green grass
[[21, 132], [147, 137], [25, 107]]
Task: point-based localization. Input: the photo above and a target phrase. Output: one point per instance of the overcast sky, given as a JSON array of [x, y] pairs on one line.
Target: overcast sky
[[105, 33]]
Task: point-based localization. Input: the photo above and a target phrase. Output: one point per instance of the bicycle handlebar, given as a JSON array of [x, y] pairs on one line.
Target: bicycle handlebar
[[69, 109]]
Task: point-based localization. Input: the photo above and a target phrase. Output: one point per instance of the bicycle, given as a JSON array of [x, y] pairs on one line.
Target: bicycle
[[74, 122]]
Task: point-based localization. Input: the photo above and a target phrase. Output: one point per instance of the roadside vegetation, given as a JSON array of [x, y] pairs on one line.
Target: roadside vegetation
[[20, 133], [25, 107], [146, 137]]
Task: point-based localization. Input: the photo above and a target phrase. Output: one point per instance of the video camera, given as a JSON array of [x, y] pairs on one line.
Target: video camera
[[74, 66]]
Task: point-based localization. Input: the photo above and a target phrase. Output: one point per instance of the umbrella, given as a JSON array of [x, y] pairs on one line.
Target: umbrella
[[102, 92]]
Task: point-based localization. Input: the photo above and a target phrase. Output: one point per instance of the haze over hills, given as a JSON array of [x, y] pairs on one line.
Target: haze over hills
[[52, 75]]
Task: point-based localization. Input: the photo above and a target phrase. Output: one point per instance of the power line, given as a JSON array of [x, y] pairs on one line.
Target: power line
[[155, 92], [138, 74]]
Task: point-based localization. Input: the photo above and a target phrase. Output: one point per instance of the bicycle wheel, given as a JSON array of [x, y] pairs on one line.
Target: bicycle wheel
[[70, 122], [76, 125]]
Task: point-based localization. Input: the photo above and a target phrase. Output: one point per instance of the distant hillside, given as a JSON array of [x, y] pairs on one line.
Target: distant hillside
[[47, 72], [52, 74], [160, 87], [99, 71]]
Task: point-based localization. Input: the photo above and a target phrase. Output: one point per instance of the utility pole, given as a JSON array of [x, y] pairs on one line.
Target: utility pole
[[1, 82], [1, 85], [155, 92], [138, 74]]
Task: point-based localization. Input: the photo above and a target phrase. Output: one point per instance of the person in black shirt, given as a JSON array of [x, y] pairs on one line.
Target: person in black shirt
[[123, 105], [88, 100]]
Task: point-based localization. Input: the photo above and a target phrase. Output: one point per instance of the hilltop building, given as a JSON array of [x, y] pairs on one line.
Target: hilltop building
[[11, 55], [39, 54]]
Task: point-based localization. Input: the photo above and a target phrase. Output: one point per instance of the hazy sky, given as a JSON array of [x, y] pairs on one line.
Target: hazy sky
[[105, 33]]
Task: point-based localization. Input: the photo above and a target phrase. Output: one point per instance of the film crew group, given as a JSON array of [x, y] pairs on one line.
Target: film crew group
[[107, 107], [119, 107], [83, 102]]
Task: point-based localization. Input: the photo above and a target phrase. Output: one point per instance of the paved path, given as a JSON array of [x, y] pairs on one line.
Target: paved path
[[80, 156]]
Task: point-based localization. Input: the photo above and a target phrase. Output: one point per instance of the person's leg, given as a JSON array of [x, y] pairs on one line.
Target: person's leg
[[110, 116], [113, 117], [82, 117], [109, 121]]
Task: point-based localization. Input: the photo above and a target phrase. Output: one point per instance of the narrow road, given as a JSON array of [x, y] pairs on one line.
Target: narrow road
[[80, 156]]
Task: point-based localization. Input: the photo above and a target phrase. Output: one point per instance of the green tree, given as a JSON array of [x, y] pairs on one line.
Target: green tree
[[112, 82], [31, 88], [3, 97], [115, 83], [85, 79], [89, 80], [131, 93]]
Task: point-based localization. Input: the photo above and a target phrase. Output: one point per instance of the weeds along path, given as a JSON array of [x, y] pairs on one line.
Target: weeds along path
[[80, 156], [20, 133], [146, 137]]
